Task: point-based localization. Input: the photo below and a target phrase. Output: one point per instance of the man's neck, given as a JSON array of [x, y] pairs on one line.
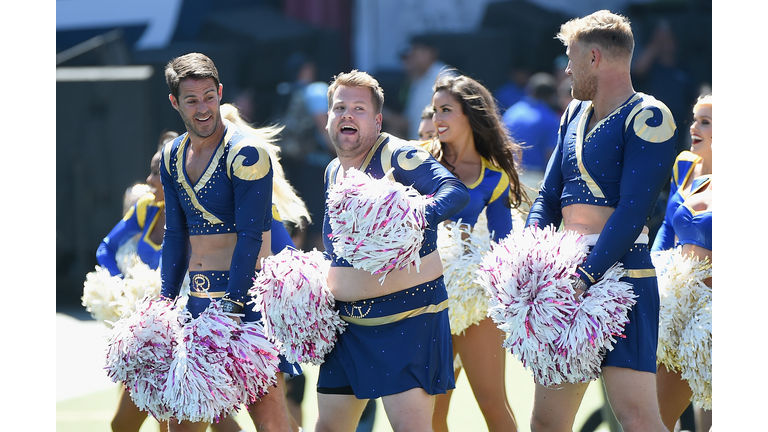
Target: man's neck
[[356, 162], [612, 92], [200, 143]]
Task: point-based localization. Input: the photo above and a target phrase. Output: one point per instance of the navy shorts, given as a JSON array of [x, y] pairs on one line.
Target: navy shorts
[[392, 344], [203, 284]]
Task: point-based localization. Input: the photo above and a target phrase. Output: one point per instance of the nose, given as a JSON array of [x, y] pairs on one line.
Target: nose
[[568, 68]]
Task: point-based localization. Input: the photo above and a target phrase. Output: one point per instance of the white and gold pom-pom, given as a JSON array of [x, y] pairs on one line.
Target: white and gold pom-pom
[[102, 293], [461, 248], [376, 224], [685, 323], [139, 350], [297, 307], [558, 338]]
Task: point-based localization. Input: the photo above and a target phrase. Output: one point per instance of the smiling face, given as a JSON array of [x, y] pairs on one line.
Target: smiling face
[[198, 105], [583, 80], [353, 124], [701, 130], [451, 123]]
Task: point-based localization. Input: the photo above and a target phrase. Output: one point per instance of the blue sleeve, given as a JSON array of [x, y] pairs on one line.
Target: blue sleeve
[[665, 236], [122, 232], [251, 174], [417, 168], [280, 237], [175, 252], [499, 217], [546, 209], [648, 159]]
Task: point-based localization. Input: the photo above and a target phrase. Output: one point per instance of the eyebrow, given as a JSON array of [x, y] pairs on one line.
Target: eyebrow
[[194, 95]]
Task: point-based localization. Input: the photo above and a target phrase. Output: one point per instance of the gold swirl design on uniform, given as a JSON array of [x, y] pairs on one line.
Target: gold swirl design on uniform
[[257, 170], [408, 160], [645, 111]]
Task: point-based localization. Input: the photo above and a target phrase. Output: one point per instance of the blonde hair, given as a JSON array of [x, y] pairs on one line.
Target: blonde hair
[[290, 206], [357, 78], [702, 100], [608, 30]]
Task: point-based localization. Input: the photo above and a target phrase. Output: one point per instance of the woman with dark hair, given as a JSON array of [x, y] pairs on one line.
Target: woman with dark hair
[[473, 144]]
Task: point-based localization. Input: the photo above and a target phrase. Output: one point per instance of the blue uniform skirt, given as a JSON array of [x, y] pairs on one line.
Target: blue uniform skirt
[[637, 348], [391, 344], [207, 285]]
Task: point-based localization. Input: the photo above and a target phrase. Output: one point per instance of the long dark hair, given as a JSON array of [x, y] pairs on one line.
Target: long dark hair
[[492, 141]]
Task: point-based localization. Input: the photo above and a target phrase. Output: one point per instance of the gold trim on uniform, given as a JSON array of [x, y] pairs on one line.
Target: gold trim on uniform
[[182, 179], [641, 273], [594, 189], [207, 294], [368, 322]]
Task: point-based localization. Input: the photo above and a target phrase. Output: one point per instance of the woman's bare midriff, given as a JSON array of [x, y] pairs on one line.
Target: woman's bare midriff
[[214, 252], [351, 284], [700, 253], [587, 219]]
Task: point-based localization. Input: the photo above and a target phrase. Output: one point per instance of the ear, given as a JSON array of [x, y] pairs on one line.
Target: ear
[[174, 102], [221, 90], [378, 119], [595, 56]]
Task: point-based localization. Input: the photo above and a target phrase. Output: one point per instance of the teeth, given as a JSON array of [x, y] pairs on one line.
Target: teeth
[[442, 129]]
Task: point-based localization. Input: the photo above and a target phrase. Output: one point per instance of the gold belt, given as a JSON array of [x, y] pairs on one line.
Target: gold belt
[[396, 317]]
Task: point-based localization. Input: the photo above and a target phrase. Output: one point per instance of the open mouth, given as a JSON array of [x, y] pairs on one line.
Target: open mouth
[[696, 139], [348, 129], [203, 119], [442, 129]]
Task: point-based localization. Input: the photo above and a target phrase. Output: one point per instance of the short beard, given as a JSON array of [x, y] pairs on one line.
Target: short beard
[[189, 123], [356, 149], [586, 90]]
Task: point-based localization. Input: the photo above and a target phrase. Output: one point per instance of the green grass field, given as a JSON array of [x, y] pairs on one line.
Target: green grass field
[[80, 345]]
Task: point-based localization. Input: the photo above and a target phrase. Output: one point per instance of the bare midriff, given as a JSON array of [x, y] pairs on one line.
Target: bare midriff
[[351, 284], [588, 219], [214, 252]]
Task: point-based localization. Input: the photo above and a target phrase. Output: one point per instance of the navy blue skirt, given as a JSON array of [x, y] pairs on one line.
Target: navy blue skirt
[[637, 348], [392, 344]]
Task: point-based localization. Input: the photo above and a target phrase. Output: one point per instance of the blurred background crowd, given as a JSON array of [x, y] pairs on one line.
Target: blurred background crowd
[[275, 58]]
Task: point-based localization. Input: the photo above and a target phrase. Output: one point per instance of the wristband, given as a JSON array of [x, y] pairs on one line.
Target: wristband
[[230, 306]]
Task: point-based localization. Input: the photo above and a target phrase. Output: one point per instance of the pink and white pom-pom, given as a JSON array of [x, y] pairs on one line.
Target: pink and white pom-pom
[[297, 307], [208, 377], [376, 224], [558, 338], [101, 295], [461, 249], [140, 348]]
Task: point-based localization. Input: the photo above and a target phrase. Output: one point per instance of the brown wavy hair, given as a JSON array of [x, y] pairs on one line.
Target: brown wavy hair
[[492, 141]]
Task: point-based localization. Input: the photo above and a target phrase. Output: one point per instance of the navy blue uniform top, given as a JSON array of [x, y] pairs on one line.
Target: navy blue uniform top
[[234, 195], [414, 166], [693, 227], [682, 170], [623, 163], [140, 218], [488, 192]]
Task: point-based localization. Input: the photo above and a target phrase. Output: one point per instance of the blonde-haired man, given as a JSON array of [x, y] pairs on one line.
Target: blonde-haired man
[[614, 153]]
